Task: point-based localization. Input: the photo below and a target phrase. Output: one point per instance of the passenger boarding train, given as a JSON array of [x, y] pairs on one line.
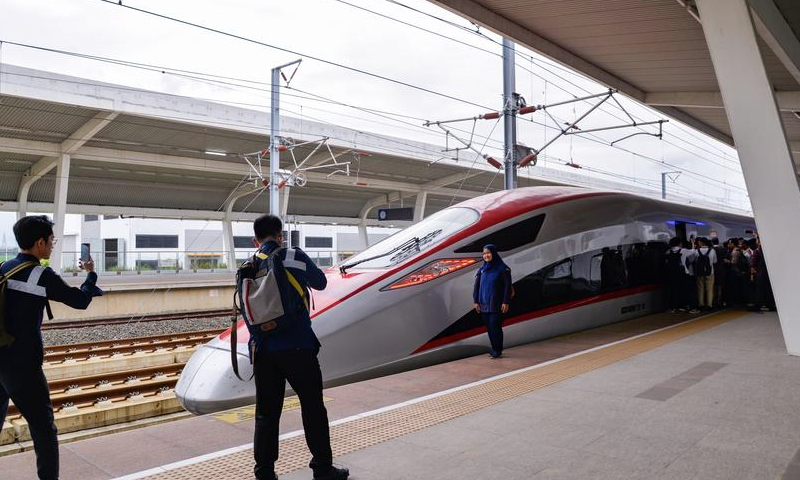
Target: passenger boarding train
[[579, 259]]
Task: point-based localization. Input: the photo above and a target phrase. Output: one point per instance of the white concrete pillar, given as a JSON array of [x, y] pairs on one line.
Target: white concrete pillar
[[228, 243], [284, 201], [764, 153], [22, 197], [362, 234], [419, 206], [60, 210]]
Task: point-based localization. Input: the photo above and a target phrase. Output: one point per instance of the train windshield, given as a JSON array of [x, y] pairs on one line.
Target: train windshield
[[414, 239]]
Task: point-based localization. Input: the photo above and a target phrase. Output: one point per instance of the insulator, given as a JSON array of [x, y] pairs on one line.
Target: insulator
[[493, 162], [525, 161], [490, 115], [526, 110]]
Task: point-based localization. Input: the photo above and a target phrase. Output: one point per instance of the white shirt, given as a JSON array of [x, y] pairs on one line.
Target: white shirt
[[692, 258]]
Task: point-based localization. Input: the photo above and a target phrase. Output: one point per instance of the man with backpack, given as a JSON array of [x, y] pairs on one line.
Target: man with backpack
[[676, 276], [704, 259], [27, 288], [284, 349]]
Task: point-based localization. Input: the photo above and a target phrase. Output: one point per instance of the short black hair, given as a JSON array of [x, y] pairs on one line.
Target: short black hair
[[267, 226], [714, 241], [675, 242], [29, 229]]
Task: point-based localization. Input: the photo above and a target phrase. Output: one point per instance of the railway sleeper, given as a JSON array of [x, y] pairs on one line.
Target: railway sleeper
[[99, 414], [73, 357], [98, 366]]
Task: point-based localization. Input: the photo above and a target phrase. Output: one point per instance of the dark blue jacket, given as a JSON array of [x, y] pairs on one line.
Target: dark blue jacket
[[499, 294], [27, 293], [295, 334]]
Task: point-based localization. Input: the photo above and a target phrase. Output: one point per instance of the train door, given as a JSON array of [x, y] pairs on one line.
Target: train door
[[680, 230]]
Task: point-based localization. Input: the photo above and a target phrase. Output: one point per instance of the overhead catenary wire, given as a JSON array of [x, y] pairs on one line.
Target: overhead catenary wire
[[635, 153], [293, 52], [520, 54], [243, 38], [119, 61]]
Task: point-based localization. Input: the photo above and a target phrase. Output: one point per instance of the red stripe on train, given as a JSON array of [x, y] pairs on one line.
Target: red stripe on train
[[538, 314]]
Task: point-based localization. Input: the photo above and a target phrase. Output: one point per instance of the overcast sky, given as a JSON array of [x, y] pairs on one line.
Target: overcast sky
[[342, 33]]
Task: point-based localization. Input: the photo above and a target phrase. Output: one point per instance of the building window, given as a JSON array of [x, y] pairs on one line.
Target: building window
[[90, 218], [111, 217], [243, 242], [156, 241], [319, 242]]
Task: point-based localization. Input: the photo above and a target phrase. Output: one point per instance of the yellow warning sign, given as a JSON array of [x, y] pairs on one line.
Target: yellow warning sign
[[249, 413]]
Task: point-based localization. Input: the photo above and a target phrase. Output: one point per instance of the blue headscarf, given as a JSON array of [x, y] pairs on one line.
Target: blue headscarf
[[494, 267], [490, 296]]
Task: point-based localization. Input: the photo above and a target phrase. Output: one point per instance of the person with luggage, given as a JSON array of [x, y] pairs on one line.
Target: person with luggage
[[28, 289], [491, 295], [286, 350]]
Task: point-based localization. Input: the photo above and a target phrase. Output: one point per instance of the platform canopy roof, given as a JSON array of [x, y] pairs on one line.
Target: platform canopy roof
[[138, 152], [654, 51]]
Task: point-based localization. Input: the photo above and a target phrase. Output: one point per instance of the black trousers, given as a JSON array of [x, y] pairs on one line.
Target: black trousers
[[494, 327], [301, 369], [23, 381]]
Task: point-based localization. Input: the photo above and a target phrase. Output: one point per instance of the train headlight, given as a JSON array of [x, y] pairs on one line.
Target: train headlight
[[432, 271]]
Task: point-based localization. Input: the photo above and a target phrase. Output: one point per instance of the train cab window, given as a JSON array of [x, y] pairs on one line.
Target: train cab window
[[414, 239], [508, 238]]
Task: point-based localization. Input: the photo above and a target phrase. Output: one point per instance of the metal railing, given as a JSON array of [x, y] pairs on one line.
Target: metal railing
[[177, 261]]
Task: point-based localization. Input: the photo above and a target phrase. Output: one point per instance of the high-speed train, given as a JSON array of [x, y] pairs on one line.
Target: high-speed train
[[579, 259]]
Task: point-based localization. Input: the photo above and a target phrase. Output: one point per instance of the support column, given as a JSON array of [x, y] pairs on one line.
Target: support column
[[228, 243], [362, 234], [60, 210], [419, 206], [284, 199], [769, 171], [22, 197]]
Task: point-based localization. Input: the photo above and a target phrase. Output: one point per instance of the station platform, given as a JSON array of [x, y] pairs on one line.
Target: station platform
[[151, 280], [151, 293], [660, 397]]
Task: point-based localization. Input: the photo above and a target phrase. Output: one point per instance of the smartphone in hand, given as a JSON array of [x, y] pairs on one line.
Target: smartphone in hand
[[85, 252]]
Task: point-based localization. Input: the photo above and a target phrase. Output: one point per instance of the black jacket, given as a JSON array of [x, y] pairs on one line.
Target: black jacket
[[27, 293]]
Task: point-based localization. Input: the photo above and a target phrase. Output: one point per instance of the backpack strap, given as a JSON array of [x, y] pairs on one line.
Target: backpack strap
[[291, 262], [22, 266], [297, 287], [235, 343]]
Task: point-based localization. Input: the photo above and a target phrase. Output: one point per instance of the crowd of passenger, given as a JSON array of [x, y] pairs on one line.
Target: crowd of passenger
[[703, 274]]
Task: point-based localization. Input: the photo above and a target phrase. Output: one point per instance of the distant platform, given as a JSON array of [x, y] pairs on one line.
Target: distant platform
[[153, 280], [152, 293], [663, 396]]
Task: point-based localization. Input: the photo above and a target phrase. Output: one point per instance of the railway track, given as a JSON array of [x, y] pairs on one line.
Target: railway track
[[107, 388], [108, 384], [135, 319], [110, 348]]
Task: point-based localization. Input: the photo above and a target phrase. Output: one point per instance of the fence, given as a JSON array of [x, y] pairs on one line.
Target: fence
[[172, 261]]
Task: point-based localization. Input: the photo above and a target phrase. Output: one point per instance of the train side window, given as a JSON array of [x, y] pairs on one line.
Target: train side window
[[557, 284], [508, 238]]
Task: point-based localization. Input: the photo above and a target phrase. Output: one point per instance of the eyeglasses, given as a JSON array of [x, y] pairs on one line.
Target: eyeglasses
[[55, 240]]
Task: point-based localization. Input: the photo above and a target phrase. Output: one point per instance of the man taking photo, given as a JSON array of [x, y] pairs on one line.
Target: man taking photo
[[28, 289]]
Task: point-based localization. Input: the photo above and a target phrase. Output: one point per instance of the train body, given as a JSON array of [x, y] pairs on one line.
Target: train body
[[579, 259]]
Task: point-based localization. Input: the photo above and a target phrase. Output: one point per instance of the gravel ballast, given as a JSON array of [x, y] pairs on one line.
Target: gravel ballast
[[131, 330]]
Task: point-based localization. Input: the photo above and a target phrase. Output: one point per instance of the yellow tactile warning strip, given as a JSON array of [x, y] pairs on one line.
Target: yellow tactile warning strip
[[238, 415], [363, 432]]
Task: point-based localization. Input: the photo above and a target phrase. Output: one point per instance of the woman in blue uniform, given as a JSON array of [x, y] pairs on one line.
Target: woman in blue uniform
[[492, 294]]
